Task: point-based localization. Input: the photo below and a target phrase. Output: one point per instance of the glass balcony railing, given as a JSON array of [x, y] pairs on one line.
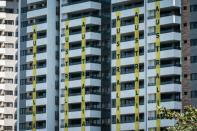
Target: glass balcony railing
[[165, 65], [72, 2], [165, 100], [165, 83], [125, 7]]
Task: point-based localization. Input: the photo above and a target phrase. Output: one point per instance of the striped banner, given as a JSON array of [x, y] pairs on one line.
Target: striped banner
[[34, 77], [158, 95], [83, 73], [66, 92], [136, 68], [118, 70]]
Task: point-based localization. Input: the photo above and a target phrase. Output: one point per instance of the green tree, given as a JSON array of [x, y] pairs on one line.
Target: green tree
[[186, 120]]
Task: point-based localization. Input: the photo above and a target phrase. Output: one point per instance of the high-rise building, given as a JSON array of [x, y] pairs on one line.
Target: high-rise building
[[104, 65], [8, 64], [84, 65], [146, 58], [189, 54], [38, 65]]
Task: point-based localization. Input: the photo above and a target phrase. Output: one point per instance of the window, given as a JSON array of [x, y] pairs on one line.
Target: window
[[24, 24], [8, 104], [185, 58], [193, 59], [184, 7], [7, 10], [184, 24], [9, 69], [185, 75], [8, 34], [194, 94], [194, 76], [193, 25], [8, 92], [7, 127], [8, 116], [9, 22], [193, 8], [9, 45], [9, 81], [193, 42], [9, 57]]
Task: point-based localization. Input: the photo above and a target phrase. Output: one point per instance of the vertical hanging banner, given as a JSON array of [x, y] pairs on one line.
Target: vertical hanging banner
[[118, 70], [157, 43], [83, 73], [34, 78], [136, 67], [66, 92]]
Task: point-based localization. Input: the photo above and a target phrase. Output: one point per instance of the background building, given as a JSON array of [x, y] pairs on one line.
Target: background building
[[8, 64], [38, 63], [189, 59], [158, 60]]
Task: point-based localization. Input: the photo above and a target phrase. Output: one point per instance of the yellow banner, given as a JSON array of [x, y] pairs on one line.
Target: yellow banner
[[118, 70], [83, 73], [136, 68], [34, 78], [158, 95], [66, 92]]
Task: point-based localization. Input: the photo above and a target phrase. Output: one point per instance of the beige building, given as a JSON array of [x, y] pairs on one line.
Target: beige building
[[8, 57]]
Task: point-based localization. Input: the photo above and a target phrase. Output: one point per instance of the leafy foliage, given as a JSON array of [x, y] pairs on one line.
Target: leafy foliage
[[186, 120]]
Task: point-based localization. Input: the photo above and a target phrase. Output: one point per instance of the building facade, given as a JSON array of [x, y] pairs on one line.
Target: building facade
[[146, 63], [189, 55], [8, 64], [38, 65], [85, 65], [104, 65], [189, 41]]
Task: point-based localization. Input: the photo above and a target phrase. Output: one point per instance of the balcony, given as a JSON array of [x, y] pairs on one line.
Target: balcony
[[127, 13], [128, 29], [77, 114], [127, 93], [88, 98], [80, 6], [77, 22], [164, 4], [77, 52], [128, 110], [89, 67], [77, 83], [129, 5], [89, 36], [73, 2], [37, 12]]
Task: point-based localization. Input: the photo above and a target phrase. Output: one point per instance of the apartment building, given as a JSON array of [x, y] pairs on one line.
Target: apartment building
[[104, 65], [189, 54], [38, 65], [84, 65], [146, 63], [8, 64]]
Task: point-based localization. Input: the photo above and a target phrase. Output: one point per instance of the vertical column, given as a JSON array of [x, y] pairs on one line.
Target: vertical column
[[34, 78], [83, 73], [158, 95], [136, 67], [66, 106], [118, 70]]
